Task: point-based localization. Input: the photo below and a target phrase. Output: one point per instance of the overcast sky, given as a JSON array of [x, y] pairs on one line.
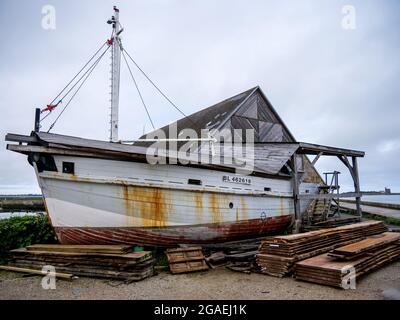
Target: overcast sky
[[331, 85]]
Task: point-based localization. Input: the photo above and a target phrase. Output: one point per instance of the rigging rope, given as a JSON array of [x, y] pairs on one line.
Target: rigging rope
[[78, 74], [155, 86], [137, 88], [87, 73]]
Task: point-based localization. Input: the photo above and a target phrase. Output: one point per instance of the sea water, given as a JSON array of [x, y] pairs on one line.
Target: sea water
[[384, 198], [8, 214]]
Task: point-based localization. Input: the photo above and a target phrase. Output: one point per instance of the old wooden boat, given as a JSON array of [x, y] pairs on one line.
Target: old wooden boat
[[107, 192]]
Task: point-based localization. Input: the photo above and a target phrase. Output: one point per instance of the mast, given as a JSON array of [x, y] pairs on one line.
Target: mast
[[115, 73]]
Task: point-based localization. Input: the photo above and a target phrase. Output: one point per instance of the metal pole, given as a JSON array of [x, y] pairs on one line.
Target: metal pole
[[115, 76]]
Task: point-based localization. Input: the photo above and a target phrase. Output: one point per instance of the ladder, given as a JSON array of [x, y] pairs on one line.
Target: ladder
[[319, 209]]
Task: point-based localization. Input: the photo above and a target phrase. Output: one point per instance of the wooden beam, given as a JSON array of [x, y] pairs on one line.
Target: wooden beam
[[353, 168], [329, 195], [316, 158], [357, 186], [348, 165], [66, 276], [296, 192], [13, 137], [310, 148]]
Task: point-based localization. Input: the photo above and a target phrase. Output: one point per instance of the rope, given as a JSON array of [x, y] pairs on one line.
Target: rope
[[137, 88], [156, 87], [88, 72], [78, 73]]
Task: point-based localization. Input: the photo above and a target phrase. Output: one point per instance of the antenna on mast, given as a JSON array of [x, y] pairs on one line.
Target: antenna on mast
[[115, 42]]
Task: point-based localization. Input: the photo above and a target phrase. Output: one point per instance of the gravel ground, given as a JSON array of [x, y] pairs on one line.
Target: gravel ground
[[215, 284]]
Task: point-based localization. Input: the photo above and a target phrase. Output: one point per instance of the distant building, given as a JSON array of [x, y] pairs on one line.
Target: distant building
[[387, 191]]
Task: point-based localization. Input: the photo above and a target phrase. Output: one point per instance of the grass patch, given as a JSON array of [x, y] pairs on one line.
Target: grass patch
[[387, 220]]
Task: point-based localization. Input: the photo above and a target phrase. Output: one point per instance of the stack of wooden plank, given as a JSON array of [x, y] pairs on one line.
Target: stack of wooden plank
[[360, 258], [359, 248], [279, 254], [104, 261], [186, 259]]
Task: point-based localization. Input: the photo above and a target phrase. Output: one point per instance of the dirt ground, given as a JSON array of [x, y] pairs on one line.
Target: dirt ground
[[214, 284]]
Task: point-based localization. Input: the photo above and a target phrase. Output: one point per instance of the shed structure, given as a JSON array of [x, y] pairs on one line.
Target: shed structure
[[251, 109]]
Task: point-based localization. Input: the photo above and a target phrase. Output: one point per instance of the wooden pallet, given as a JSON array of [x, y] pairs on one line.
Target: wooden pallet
[[186, 259]]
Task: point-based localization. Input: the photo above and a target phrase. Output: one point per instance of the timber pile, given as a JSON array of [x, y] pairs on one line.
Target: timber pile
[[279, 254], [239, 255], [186, 259], [331, 223], [362, 257], [112, 262]]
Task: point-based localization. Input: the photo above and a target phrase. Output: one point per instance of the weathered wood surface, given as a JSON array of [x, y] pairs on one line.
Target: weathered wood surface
[[103, 249], [132, 256], [60, 275], [328, 270], [132, 266], [367, 244], [186, 259], [279, 254]]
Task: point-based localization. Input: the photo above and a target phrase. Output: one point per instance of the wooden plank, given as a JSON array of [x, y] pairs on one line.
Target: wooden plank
[[118, 249], [183, 249], [132, 256], [188, 266], [186, 259], [60, 275], [368, 244], [310, 148], [13, 137], [278, 254], [329, 195]]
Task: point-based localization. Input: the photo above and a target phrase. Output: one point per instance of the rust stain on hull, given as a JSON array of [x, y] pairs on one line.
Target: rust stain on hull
[[198, 200], [171, 236], [281, 207], [243, 209], [214, 208], [150, 203]]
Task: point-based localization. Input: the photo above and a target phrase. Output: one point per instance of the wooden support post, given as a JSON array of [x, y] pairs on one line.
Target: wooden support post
[[357, 186], [36, 126], [296, 199]]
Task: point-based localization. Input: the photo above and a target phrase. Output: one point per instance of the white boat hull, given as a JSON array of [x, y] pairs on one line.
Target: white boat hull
[[109, 201]]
